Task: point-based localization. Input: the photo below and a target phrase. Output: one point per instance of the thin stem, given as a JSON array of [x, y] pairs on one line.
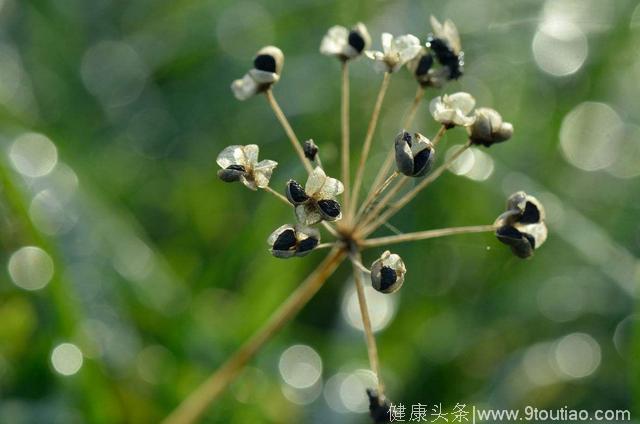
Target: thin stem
[[408, 120], [326, 245], [396, 206], [287, 129], [371, 215], [344, 108], [278, 195], [439, 135], [373, 195], [425, 235], [367, 142], [401, 183], [360, 265], [192, 408], [329, 228], [372, 348]]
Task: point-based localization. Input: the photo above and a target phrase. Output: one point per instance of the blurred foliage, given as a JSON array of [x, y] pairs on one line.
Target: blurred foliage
[[161, 270]]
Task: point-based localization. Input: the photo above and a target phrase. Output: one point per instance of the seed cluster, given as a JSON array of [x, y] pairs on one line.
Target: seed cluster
[[433, 63]]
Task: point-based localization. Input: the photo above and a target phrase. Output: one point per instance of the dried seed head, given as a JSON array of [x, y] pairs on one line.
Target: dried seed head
[[451, 110], [240, 163], [345, 44], [396, 51], [425, 70], [387, 273], [379, 409], [310, 149], [489, 128], [414, 155], [267, 66], [522, 226], [446, 47], [288, 241], [320, 203]]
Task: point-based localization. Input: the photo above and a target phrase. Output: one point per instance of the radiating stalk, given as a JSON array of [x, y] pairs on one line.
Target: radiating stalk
[[372, 348], [196, 404], [425, 235], [371, 129], [295, 142]]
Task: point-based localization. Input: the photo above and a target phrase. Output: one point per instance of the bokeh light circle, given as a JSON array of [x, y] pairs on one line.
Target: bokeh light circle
[[590, 135], [66, 359], [560, 48], [31, 268], [33, 155], [300, 366]]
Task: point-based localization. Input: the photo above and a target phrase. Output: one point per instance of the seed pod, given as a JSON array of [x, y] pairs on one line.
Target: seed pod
[[414, 155], [522, 226], [310, 149], [289, 240], [295, 193], [269, 59], [387, 273], [489, 128], [318, 200], [345, 44]]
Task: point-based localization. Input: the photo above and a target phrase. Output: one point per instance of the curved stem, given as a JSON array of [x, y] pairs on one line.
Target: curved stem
[[396, 206], [192, 408], [372, 349], [367, 142], [287, 129], [344, 108], [425, 235]]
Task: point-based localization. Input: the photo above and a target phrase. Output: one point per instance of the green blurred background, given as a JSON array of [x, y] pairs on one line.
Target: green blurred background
[[130, 272]]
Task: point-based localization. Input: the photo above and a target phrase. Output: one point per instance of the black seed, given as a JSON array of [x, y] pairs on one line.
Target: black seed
[[231, 173], [532, 241], [422, 162], [285, 241], [388, 278], [407, 137], [295, 193], [356, 41], [508, 234], [425, 63], [379, 410], [265, 62], [307, 244], [329, 208], [531, 214], [310, 150], [524, 248]]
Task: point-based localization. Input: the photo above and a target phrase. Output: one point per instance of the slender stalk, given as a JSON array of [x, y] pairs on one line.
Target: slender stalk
[[396, 206], [372, 349], [425, 235], [196, 404], [439, 135], [408, 120], [326, 245], [297, 146], [344, 108], [373, 195], [359, 264], [375, 211], [367, 142], [329, 228], [278, 195]]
